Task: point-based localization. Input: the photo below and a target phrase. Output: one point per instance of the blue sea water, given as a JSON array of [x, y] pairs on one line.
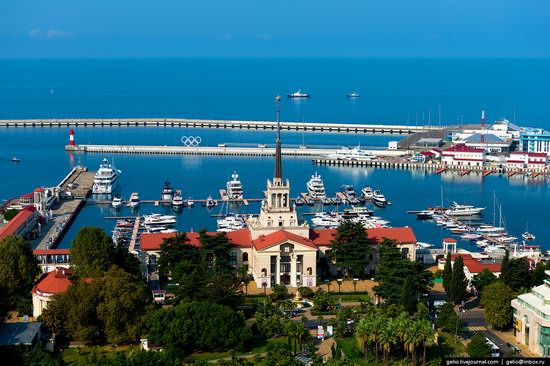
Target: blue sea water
[[393, 91]]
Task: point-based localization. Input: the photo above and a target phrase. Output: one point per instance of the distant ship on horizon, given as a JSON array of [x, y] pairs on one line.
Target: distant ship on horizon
[[298, 94]]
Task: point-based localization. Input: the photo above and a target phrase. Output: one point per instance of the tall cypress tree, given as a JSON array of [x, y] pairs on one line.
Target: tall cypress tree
[[447, 272], [458, 283]]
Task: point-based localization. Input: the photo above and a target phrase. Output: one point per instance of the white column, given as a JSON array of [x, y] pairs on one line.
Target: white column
[[293, 270], [278, 270]]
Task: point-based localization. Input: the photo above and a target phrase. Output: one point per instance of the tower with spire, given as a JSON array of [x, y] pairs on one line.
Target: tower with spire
[[277, 211]]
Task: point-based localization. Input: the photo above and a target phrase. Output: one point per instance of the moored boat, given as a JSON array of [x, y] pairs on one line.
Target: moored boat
[[379, 199], [117, 202], [177, 202], [134, 201], [464, 210], [316, 187], [234, 188], [298, 94], [167, 192], [106, 178]]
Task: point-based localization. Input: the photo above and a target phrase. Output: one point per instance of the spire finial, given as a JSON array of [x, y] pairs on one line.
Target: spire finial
[[278, 160]]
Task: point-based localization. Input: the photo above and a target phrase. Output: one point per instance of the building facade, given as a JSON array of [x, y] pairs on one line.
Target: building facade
[[535, 140], [25, 223], [50, 284], [532, 318], [461, 155]]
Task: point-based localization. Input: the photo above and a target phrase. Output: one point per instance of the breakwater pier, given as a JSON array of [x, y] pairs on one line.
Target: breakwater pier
[[382, 129]]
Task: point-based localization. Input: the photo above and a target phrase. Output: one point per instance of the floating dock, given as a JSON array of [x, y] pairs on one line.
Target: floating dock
[[382, 129]]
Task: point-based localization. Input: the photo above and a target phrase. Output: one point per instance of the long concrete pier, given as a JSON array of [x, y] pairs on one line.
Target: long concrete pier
[[259, 150], [221, 124]]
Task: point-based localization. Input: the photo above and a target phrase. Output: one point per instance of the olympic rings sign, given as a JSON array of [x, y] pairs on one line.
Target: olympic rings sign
[[191, 141]]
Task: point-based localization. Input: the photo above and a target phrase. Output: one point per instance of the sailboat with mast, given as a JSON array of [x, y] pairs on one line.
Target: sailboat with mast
[[527, 235]]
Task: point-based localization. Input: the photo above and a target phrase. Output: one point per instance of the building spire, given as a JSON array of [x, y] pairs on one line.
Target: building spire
[[278, 160]]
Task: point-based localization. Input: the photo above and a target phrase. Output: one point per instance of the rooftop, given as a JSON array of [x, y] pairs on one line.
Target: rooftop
[[487, 139], [15, 334], [463, 148], [18, 220], [53, 282]]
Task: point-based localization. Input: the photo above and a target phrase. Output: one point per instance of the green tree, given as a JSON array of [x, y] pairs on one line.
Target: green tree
[[278, 292], [92, 252], [388, 338], [74, 312], [515, 273], [123, 307], [478, 346], [394, 270], [279, 355], [449, 321], [483, 279], [538, 275], [10, 214], [409, 297], [18, 271], [350, 249], [458, 283], [496, 299], [413, 338], [447, 273], [198, 326], [323, 300], [427, 336]]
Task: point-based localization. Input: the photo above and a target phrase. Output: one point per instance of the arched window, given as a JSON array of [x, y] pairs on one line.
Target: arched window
[[264, 272], [245, 257], [309, 271]]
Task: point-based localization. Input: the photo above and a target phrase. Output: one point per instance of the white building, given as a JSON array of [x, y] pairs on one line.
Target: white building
[[461, 155], [532, 318], [521, 161], [50, 284]]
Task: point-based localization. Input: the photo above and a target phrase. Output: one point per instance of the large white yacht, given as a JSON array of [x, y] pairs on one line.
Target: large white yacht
[[234, 188], [316, 187], [298, 94], [356, 154], [463, 210], [167, 192], [106, 178]]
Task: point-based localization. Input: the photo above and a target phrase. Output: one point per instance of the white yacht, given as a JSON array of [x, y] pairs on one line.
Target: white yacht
[[528, 236], [167, 192], [106, 178], [379, 199], [177, 201], [234, 188], [353, 95], [230, 223], [464, 210], [367, 192], [134, 200], [117, 202], [356, 154], [190, 202], [316, 187], [156, 220], [298, 94]]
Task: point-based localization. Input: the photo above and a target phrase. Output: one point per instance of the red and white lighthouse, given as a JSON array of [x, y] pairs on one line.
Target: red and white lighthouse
[[71, 137]]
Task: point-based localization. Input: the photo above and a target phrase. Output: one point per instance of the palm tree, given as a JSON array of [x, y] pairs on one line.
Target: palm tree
[[388, 337], [362, 334], [427, 336], [378, 322], [403, 323], [413, 339]]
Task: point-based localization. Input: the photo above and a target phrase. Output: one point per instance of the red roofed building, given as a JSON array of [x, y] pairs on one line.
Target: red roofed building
[[522, 160], [24, 223], [50, 284], [475, 265], [464, 156]]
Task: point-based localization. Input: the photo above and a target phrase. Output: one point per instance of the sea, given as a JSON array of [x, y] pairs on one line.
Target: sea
[[403, 91]]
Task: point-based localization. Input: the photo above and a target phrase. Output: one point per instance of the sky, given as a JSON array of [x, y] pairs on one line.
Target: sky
[[261, 28]]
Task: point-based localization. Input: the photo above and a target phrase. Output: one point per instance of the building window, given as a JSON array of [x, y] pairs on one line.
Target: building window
[[309, 271], [245, 257], [264, 272], [405, 253], [233, 259]]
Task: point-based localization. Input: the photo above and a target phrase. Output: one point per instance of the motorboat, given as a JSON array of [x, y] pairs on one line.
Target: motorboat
[[177, 201], [209, 203], [106, 178], [190, 202], [230, 223], [470, 236], [234, 188], [167, 192], [463, 210], [367, 192], [353, 95], [528, 236], [424, 214], [298, 94], [487, 229], [117, 202], [348, 191], [15, 159], [155, 220], [506, 239], [134, 201], [421, 245], [316, 187], [357, 210], [299, 201], [355, 154], [327, 201], [379, 199]]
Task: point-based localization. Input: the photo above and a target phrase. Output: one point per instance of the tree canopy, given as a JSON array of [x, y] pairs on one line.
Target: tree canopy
[[350, 249], [478, 347], [515, 272], [483, 279], [496, 299], [18, 271], [198, 326], [395, 273], [458, 283], [447, 272]]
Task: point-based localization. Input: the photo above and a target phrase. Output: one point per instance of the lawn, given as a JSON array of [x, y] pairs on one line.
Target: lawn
[[79, 355], [258, 347]]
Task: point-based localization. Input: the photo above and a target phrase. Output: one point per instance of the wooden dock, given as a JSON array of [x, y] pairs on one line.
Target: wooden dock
[[382, 129]]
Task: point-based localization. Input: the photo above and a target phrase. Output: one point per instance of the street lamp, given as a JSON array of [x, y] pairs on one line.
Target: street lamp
[[339, 284]]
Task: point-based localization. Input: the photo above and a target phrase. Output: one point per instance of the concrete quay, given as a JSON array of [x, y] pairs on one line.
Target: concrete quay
[[222, 124], [214, 150]]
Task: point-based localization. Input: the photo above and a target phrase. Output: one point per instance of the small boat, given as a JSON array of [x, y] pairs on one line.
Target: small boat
[[353, 95], [117, 202], [299, 201], [327, 201], [134, 200], [379, 199], [167, 192], [470, 236], [190, 202], [424, 215], [298, 94], [421, 245], [15, 159], [209, 203], [177, 202], [464, 210], [367, 192], [528, 236]]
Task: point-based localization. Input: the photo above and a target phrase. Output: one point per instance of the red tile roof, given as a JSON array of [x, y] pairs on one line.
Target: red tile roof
[[39, 189], [540, 155], [475, 266], [449, 240], [28, 195], [51, 251], [54, 282], [515, 161], [152, 241], [279, 236], [402, 235], [21, 218]]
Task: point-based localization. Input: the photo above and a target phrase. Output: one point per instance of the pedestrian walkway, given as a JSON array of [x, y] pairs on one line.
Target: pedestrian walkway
[[476, 328]]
